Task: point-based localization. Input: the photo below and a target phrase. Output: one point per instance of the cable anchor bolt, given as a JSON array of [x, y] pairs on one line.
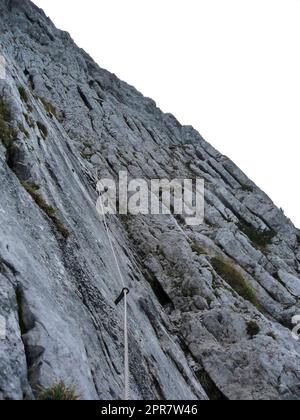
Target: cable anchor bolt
[[122, 295]]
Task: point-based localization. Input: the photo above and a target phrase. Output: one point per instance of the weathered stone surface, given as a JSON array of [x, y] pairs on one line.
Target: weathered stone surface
[[190, 326]]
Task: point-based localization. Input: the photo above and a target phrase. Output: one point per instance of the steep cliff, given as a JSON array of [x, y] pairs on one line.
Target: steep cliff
[[210, 307]]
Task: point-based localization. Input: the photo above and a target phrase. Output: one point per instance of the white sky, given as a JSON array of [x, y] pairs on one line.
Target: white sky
[[230, 68]]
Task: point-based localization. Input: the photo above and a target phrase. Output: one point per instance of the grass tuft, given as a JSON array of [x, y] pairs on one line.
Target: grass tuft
[[252, 329], [43, 129], [272, 335], [58, 392], [233, 277], [23, 94]]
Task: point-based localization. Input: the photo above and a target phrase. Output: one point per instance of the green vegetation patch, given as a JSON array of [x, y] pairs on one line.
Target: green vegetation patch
[[7, 132], [58, 392], [272, 335], [19, 299], [23, 94], [261, 238], [198, 249], [247, 188], [43, 129], [252, 329], [233, 277], [33, 189]]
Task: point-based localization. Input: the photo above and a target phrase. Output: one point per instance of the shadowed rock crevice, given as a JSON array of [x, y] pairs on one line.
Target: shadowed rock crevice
[[33, 352], [210, 387]]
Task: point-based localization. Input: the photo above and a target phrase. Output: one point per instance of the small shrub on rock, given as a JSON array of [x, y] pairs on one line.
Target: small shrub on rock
[[58, 392]]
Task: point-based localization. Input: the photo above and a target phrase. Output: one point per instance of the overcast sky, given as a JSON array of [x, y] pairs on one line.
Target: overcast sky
[[230, 68]]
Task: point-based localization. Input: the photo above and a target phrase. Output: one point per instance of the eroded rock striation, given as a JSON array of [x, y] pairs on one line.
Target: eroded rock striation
[[210, 307]]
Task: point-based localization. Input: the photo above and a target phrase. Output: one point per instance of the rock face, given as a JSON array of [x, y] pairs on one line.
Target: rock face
[[210, 307]]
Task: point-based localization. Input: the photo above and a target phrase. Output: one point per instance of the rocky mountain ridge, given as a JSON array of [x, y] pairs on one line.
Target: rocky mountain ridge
[[210, 308]]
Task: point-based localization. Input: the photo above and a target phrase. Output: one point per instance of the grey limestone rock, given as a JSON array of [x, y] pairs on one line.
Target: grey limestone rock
[[195, 331]]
